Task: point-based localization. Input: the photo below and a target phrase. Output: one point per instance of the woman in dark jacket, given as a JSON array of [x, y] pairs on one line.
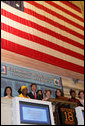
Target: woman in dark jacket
[[39, 95]]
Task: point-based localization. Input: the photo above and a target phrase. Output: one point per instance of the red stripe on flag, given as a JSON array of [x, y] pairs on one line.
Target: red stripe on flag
[[71, 5], [40, 56], [55, 14], [65, 10], [63, 38], [55, 24], [40, 41], [40, 28]]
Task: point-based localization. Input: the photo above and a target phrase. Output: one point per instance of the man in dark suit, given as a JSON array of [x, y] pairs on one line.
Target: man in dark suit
[[33, 94]]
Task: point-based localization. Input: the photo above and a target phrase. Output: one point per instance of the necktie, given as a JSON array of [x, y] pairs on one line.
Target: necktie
[[35, 95]]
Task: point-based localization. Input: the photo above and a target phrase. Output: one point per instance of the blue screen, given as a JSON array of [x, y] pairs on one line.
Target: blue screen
[[83, 113], [32, 113]]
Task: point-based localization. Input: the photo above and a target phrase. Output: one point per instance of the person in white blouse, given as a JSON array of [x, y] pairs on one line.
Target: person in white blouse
[[81, 97], [8, 92]]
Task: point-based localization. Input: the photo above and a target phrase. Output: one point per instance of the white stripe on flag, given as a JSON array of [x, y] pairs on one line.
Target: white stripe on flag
[[41, 48], [40, 34], [60, 12], [68, 8]]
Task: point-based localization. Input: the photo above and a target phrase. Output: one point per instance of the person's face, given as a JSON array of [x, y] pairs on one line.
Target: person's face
[[40, 93], [34, 88], [82, 95], [48, 94], [25, 91], [8, 91], [73, 94], [58, 93]]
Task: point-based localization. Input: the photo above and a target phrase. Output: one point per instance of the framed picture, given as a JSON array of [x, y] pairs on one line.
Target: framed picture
[[3, 70], [57, 82]]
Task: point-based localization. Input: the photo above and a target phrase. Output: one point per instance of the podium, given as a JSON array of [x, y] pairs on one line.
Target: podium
[[24, 111], [56, 111], [6, 111], [80, 115], [64, 111]]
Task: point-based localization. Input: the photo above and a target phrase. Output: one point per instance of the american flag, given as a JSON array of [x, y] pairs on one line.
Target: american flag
[[48, 31]]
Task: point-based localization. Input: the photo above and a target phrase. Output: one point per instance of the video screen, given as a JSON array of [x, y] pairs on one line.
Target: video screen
[[83, 113], [33, 113]]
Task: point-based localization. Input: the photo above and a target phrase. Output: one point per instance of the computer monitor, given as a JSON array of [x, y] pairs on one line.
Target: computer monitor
[[80, 115], [83, 113], [30, 111]]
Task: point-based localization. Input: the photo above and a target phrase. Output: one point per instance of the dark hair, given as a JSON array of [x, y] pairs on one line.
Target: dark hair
[[33, 84], [56, 93], [47, 91], [71, 91], [19, 90], [80, 93], [5, 94], [38, 91], [39, 97]]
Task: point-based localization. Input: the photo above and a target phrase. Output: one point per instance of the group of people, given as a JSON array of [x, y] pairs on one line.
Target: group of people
[[39, 95]]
